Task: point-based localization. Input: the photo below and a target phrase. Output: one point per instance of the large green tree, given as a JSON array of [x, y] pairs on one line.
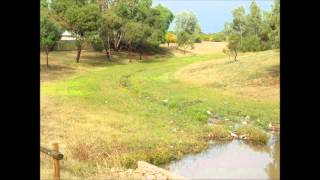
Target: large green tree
[[50, 33], [136, 36], [257, 30], [274, 22], [239, 21], [82, 20], [187, 28], [111, 30]]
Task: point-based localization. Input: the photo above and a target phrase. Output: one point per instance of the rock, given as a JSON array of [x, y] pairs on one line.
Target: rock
[[174, 130], [244, 122], [233, 134], [208, 112]]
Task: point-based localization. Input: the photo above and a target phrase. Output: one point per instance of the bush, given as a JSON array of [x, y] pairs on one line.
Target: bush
[[218, 37], [251, 43], [95, 42], [97, 45], [197, 39], [64, 45]]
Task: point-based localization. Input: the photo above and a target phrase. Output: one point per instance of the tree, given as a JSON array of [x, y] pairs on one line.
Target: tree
[[82, 20], [185, 40], [160, 20], [111, 30], [50, 33], [171, 38], [218, 37], [254, 19], [257, 30], [274, 22], [239, 21], [136, 36], [233, 44], [186, 28]]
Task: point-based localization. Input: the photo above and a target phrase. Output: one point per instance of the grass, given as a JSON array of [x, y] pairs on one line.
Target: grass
[[255, 134], [106, 114]]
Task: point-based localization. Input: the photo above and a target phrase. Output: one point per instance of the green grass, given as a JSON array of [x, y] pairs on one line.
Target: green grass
[[114, 114]]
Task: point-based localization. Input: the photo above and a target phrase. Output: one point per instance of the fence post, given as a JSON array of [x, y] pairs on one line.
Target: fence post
[[56, 165]]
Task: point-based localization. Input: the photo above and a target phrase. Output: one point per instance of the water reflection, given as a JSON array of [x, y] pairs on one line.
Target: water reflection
[[273, 169], [231, 160]]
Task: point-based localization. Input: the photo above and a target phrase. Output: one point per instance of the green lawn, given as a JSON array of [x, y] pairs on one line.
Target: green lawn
[[106, 115]]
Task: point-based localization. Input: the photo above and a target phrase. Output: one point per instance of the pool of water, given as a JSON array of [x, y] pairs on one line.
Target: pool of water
[[232, 160]]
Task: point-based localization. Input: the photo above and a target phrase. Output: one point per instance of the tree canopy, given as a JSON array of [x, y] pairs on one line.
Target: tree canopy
[[257, 30]]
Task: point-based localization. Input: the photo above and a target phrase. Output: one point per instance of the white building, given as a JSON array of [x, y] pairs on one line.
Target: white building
[[67, 36]]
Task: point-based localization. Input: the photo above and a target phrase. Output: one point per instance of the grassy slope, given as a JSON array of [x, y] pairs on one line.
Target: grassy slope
[[122, 113]]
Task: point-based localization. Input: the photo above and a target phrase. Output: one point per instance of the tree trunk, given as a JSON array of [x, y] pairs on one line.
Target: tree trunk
[[109, 54], [140, 53], [107, 48], [47, 53], [235, 57], [78, 54], [129, 54], [168, 44]]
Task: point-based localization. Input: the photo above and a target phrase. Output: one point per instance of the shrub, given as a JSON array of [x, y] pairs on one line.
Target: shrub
[[251, 43], [64, 45], [197, 39], [97, 45], [218, 37]]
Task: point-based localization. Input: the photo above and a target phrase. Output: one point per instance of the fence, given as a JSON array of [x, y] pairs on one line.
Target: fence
[[56, 157]]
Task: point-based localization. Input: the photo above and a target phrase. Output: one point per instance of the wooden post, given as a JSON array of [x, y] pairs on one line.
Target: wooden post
[[56, 165]]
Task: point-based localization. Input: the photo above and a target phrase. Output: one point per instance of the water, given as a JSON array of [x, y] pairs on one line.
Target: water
[[232, 160]]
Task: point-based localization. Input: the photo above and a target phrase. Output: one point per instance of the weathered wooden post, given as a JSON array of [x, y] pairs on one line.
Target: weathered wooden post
[[56, 165]]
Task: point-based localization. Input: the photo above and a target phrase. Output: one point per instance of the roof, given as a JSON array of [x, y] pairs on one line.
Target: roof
[[66, 33]]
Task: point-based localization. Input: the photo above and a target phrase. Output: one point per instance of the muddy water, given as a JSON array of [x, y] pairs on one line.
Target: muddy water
[[232, 160]]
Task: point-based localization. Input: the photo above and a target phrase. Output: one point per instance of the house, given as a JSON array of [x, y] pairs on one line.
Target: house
[[67, 36]]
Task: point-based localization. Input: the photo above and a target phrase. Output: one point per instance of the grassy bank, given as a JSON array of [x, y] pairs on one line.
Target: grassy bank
[[112, 114]]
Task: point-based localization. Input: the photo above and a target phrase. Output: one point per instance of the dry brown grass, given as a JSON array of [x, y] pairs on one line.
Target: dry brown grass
[[205, 47], [255, 75]]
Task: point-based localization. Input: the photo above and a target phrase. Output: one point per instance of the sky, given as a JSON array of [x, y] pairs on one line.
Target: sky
[[212, 14]]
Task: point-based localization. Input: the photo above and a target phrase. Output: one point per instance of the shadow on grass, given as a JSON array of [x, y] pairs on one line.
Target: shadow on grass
[[274, 70], [55, 68], [54, 71]]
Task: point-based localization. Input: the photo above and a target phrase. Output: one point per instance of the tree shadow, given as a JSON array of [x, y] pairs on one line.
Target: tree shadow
[[55, 71], [274, 70]]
